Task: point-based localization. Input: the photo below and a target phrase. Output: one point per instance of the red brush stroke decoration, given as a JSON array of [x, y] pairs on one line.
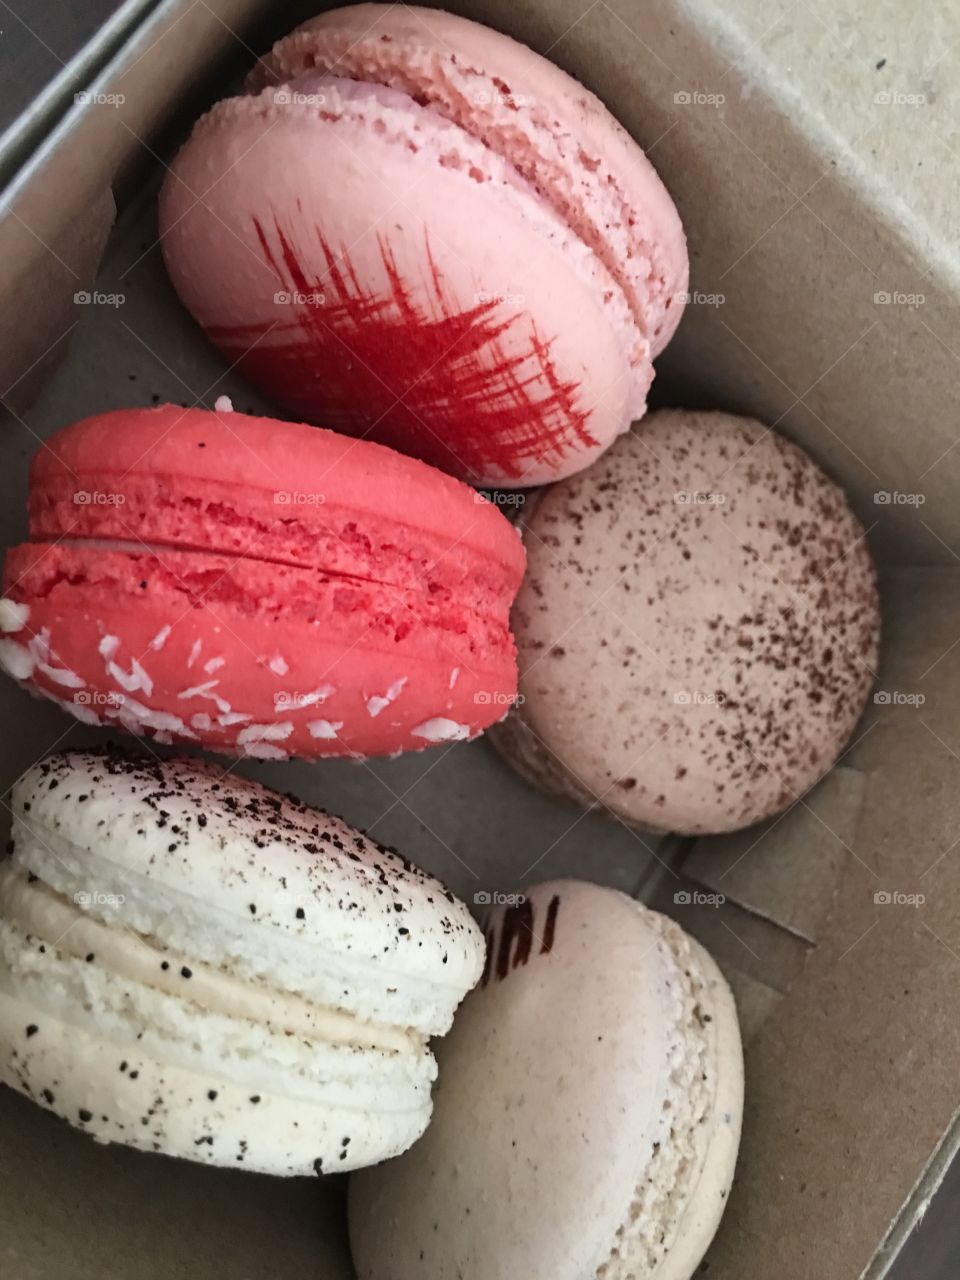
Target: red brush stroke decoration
[[431, 381]]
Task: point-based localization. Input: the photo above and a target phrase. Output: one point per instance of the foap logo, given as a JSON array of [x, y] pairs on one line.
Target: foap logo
[[93, 898], [297, 298], [287, 97], [297, 700], [697, 698], [498, 498], [697, 298], [894, 898], [97, 298], [286, 901], [698, 498], [697, 898], [97, 498], [501, 96], [896, 298], [894, 98], [90, 98], [497, 698], [696, 98], [486, 298], [297, 498], [493, 898], [895, 498], [95, 698], [898, 698]]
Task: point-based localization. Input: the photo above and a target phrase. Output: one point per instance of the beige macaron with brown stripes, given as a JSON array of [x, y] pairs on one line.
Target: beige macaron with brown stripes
[[587, 1117]]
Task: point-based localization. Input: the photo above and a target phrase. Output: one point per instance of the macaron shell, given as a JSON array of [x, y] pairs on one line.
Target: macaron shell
[[315, 496], [566, 1138], [444, 320], [557, 133], [238, 677], [215, 867], [698, 629], [156, 1106]]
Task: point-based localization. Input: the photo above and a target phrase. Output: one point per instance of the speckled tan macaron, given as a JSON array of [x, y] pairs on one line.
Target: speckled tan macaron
[[698, 629]]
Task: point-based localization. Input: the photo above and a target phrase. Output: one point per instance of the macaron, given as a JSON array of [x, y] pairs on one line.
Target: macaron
[[192, 964], [413, 228], [588, 1112], [259, 588], [698, 630]]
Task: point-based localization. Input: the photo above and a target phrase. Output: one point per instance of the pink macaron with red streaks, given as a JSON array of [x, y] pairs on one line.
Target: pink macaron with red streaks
[[415, 228], [259, 588]]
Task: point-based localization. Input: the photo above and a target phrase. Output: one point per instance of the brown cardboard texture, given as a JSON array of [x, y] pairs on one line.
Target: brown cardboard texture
[[795, 159]]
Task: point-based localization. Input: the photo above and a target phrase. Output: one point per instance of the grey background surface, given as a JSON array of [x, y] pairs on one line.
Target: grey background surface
[[36, 38]]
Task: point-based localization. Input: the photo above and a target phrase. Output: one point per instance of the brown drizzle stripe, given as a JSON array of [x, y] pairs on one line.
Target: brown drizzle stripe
[[517, 935]]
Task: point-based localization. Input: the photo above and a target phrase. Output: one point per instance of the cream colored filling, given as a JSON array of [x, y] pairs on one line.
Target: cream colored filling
[[65, 926]]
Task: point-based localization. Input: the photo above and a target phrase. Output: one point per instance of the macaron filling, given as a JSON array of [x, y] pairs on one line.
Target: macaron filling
[[35, 910]]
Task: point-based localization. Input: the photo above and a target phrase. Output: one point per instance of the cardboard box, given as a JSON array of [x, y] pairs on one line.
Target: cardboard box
[[807, 197]]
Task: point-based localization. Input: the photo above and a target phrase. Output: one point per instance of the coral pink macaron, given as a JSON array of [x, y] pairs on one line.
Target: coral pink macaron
[[414, 227], [258, 587]]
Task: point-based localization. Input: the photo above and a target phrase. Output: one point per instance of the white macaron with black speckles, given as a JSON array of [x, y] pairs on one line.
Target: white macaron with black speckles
[[192, 964], [588, 1113]]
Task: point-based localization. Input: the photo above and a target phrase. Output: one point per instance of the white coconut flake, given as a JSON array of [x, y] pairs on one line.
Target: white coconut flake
[[160, 639], [204, 690], [233, 717], [164, 721], [82, 712], [163, 737], [454, 674], [265, 732], [377, 703], [201, 721], [214, 664], [312, 699], [16, 660], [223, 404], [13, 616], [440, 729], [132, 680], [277, 665], [324, 728], [194, 652], [39, 649], [62, 675], [264, 751]]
